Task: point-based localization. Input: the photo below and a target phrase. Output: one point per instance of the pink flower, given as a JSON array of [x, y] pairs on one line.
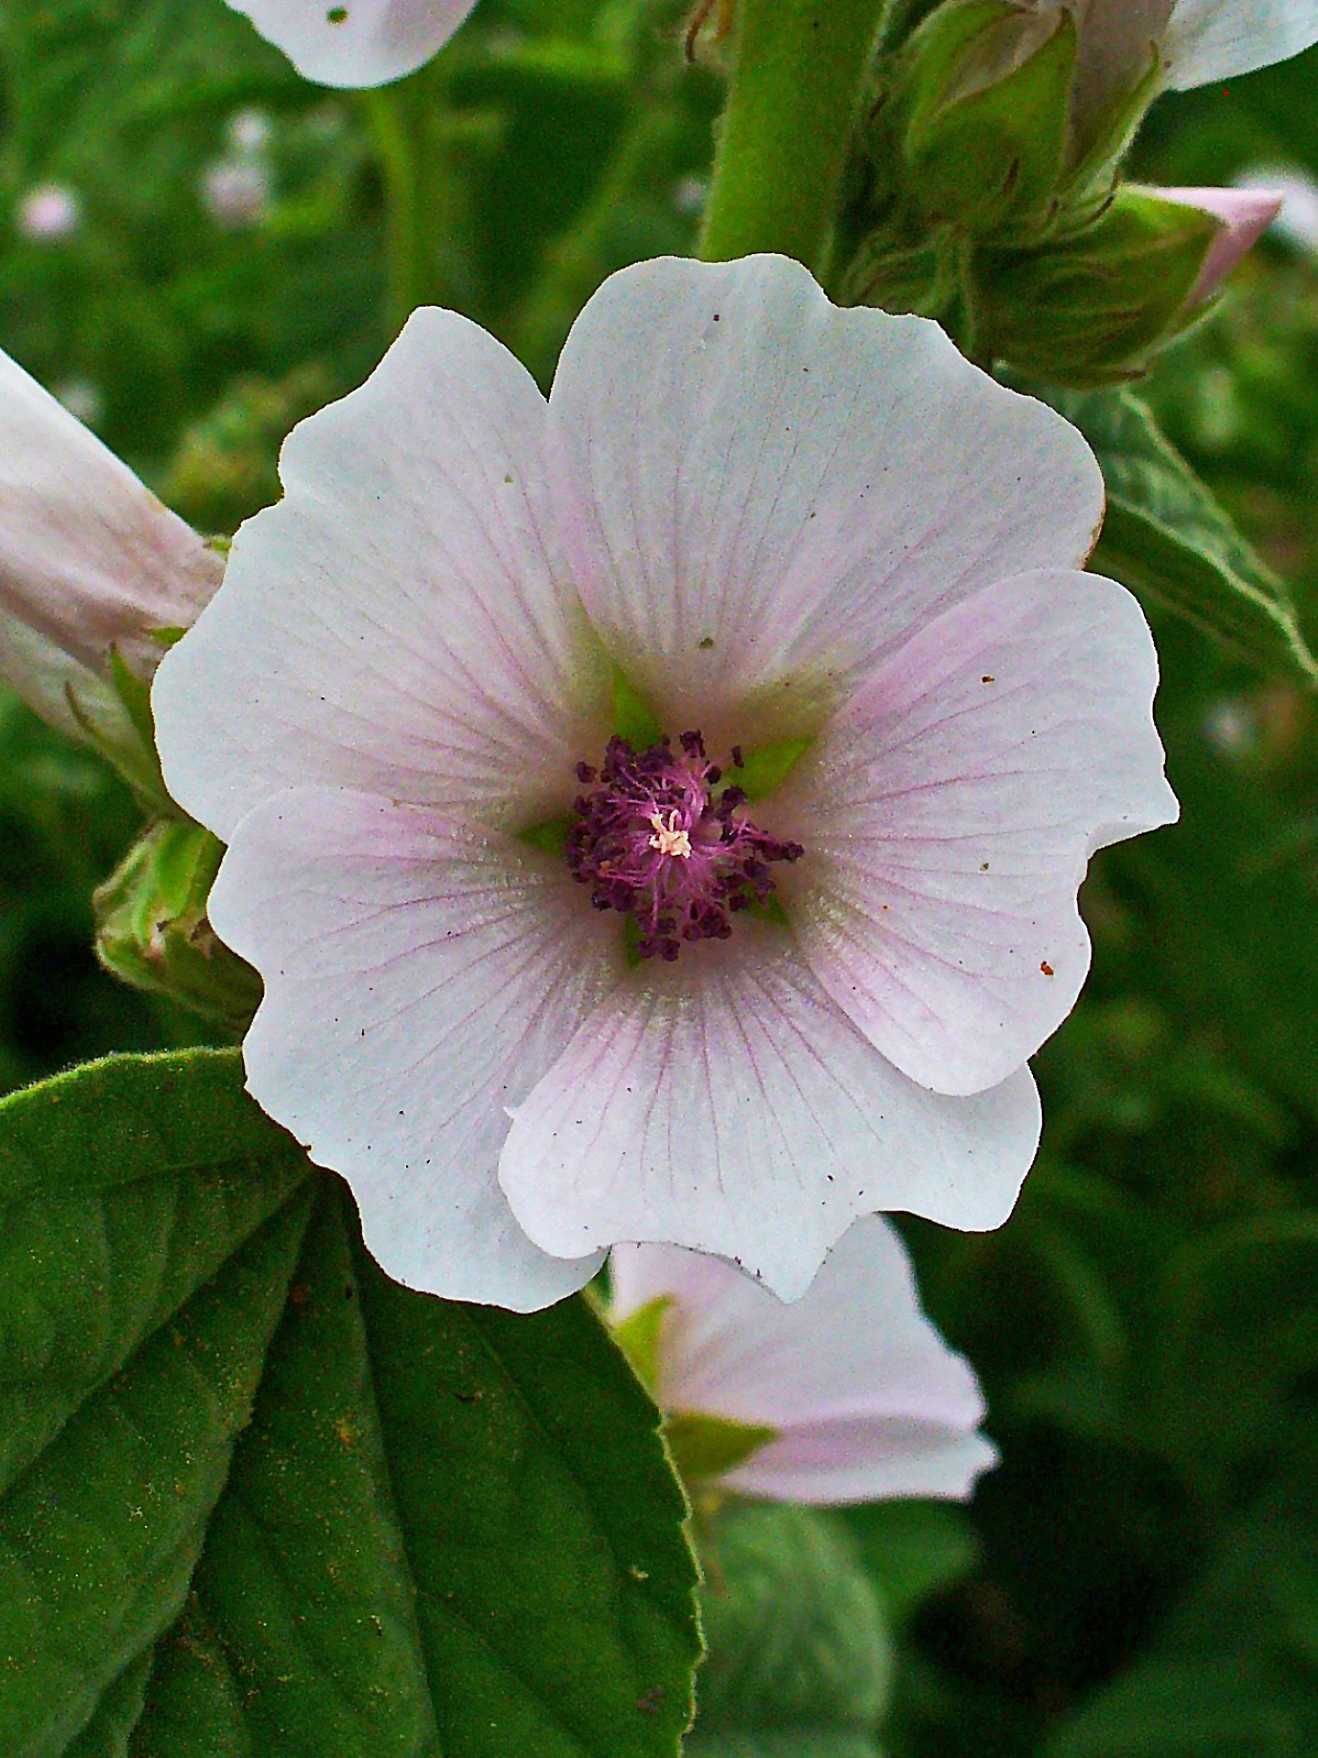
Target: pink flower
[[91, 564], [361, 43], [788, 537], [866, 1400]]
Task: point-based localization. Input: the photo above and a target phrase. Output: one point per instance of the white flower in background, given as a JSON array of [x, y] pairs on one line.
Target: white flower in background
[[360, 43], [1297, 221], [91, 564], [236, 192], [82, 399], [810, 540], [853, 1393], [249, 132], [48, 214]]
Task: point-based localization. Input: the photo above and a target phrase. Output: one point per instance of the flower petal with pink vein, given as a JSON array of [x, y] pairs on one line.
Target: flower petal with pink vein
[[420, 978], [774, 493], [424, 642], [950, 811], [867, 1399], [733, 1108]]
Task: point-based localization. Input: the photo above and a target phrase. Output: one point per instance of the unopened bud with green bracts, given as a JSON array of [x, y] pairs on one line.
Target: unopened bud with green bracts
[[152, 929]]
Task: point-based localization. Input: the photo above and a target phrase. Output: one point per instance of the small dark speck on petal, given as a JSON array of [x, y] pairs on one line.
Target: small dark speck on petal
[[988, 679], [1045, 967]]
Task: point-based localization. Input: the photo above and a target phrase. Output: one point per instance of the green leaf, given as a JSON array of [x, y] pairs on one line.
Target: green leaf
[[912, 1549], [798, 1647], [781, 1743], [1234, 1674], [258, 1499], [1167, 538]]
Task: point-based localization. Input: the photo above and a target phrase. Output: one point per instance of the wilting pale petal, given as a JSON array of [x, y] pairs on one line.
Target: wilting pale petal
[[867, 1399], [400, 622], [1219, 39], [950, 811], [767, 494], [732, 1107], [359, 43], [90, 561], [1245, 214], [419, 978]]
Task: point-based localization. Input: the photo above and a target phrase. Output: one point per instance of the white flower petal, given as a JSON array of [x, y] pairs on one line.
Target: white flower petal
[[867, 1399], [765, 494], [399, 623], [358, 43], [950, 810], [725, 1103], [90, 560], [1219, 39], [419, 978]]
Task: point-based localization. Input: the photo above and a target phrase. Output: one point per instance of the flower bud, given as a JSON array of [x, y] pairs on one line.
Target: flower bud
[[1091, 309], [152, 930], [1243, 216], [96, 575], [977, 113]]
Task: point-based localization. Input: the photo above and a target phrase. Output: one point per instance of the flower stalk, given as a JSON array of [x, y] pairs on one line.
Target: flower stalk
[[798, 72]]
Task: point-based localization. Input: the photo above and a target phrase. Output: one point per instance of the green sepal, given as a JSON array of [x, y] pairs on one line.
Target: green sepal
[[979, 109], [767, 767], [637, 1336], [1092, 309], [153, 932], [633, 718], [890, 271], [125, 735], [706, 1447], [1099, 142], [550, 837]]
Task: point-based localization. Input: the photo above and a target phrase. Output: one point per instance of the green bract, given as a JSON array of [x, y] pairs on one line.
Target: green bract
[[151, 926]]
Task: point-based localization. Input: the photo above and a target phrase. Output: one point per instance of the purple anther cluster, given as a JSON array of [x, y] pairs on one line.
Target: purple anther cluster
[[659, 840]]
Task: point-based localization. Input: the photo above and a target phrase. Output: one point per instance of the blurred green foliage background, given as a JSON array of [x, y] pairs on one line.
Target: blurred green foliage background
[[1139, 1579]]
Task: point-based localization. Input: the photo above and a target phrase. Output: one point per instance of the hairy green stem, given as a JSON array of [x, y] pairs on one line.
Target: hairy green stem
[[414, 138], [798, 73]]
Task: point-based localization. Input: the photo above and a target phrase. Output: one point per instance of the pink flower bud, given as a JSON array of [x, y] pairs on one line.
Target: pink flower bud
[[91, 563], [1245, 215]]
